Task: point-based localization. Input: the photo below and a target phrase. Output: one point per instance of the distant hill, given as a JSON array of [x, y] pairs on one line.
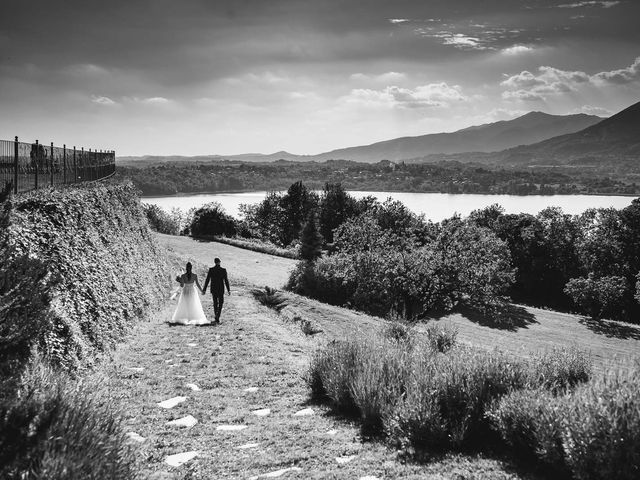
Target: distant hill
[[530, 128], [615, 140]]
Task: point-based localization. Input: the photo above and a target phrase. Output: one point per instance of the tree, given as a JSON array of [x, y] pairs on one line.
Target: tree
[[211, 219], [336, 206], [597, 296], [161, 221], [295, 205], [311, 240]]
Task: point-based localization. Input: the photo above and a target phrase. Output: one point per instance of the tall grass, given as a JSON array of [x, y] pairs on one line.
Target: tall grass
[[53, 428]]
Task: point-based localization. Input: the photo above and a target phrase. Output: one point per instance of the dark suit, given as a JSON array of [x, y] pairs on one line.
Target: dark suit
[[218, 277]]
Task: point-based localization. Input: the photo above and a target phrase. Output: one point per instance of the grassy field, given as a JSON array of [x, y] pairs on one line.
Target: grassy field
[[255, 347]]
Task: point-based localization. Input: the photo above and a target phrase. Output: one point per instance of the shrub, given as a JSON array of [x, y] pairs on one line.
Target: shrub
[[211, 219], [447, 397], [379, 381], [597, 296], [270, 297], [308, 327], [530, 423], [561, 369], [442, 338], [400, 332], [331, 374], [601, 434], [329, 279], [55, 429]]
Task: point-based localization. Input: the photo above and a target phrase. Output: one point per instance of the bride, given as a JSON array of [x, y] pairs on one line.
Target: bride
[[189, 310]]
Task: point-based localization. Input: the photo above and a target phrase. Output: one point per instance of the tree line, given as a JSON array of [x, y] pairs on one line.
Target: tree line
[[443, 177]]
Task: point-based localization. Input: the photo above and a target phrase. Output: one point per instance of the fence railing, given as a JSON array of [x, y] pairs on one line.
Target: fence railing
[[29, 166]]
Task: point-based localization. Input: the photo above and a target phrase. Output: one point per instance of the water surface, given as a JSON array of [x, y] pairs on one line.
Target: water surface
[[435, 206]]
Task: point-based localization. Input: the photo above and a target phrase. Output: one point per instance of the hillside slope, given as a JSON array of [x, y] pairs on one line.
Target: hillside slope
[[529, 128], [614, 140], [79, 266]]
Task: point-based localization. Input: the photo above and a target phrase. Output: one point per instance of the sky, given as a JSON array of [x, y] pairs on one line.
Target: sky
[[198, 77]]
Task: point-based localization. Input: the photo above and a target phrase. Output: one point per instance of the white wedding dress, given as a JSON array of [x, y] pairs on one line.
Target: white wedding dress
[[189, 310]]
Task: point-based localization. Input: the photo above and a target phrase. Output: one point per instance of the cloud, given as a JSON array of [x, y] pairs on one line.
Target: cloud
[[154, 100], [621, 76], [388, 77], [593, 3], [591, 110], [424, 96], [460, 40], [101, 100], [516, 50], [398, 20], [549, 81]]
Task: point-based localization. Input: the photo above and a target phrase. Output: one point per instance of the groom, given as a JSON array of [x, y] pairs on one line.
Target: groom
[[218, 277]]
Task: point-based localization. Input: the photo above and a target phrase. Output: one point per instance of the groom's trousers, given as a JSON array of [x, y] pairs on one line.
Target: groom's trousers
[[218, 300]]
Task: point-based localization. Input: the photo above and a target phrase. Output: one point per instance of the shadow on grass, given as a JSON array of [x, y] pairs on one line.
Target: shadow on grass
[[611, 329], [488, 448], [511, 318]]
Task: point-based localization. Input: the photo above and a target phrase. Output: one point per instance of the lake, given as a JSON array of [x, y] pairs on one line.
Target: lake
[[435, 206]]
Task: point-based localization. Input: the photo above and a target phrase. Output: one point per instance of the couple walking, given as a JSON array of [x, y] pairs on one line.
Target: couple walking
[[189, 310]]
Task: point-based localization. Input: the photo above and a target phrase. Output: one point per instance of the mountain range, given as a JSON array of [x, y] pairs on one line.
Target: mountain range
[[532, 139], [614, 140]]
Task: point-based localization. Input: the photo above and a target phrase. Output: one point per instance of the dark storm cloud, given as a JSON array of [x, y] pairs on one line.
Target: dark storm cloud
[[167, 42]]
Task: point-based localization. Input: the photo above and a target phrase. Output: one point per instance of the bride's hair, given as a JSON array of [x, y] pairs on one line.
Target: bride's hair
[[189, 270]]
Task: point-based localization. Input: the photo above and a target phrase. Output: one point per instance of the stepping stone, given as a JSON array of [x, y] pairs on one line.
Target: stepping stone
[[332, 431], [172, 402], [277, 473], [368, 477], [251, 389], [169, 360], [346, 459], [304, 412], [192, 344], [186, 422], [230, 428], [135, 437], [180, 458], [182, 354], [136, 369], [193, 386], [263, 412], [247, 445]]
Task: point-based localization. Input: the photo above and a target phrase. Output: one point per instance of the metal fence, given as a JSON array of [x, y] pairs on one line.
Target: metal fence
[[29, 166]]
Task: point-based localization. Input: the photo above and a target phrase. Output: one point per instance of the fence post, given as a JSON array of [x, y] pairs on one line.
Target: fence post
[[15, 166], [51, 165], [64, 163], [37, 162], [75, 166]]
